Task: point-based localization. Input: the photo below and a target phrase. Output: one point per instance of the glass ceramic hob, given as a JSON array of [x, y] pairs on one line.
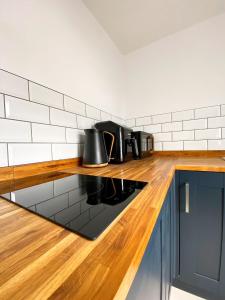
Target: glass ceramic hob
[[81, 203]]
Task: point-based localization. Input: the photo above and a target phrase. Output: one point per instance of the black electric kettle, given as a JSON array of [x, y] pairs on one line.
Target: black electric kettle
[[95, 153]]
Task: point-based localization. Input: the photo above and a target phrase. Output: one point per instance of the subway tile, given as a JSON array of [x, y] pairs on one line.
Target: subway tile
[[28, 153], [74, 135], [93, 112], [208, 134], [138, 128], [15, 131], [105, 116], [84, 123], [183, 115], [169, 146], [206, 112], [195, 124], [216, 122], [216, 144], [48, 133], [172, 126], [163, 136], [153, 128], [223, 133], [223, 109], [130, 123], [184, 135], [117, 120], [3, 155], [13, 85], [41, 94], [2, 106], [64, 151], [53, 206], [66, 185], [157, 146], [26, 110], [143, 121], [162, 118], [195, 145], [63, 118], [74, 106], [40, 192]]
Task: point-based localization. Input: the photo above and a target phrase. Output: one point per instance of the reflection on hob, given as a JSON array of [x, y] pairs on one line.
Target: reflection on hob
[[82, 203]]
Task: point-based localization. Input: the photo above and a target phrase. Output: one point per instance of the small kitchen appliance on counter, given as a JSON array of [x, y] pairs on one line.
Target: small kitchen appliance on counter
[[125, 145], [95, 152], [83, 204], [145, 143]]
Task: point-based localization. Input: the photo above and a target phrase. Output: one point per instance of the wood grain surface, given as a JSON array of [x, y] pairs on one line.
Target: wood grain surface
[[40, 260]]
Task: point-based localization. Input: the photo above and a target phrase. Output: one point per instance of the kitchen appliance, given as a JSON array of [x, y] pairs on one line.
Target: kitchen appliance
[[125, 145], [145, 143], [83, 204], [95, 152]]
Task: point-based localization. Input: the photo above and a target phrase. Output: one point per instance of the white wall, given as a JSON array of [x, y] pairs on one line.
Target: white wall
[[185, 70], [59, 44]]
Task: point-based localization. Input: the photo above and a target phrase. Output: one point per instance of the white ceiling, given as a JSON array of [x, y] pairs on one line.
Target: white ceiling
[[133, 24]]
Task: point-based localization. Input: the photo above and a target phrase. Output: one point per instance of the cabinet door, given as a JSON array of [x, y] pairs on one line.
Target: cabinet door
[[166, 248], [147, 282], [201, 232]]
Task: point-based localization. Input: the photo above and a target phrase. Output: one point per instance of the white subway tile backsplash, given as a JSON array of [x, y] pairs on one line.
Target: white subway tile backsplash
[[195, 124], [183, 115], [93, 112], [75, 136], [2, 106], [26, 110], [117, 120], [41, 94], [3, 155], [48, 134], [223, 109], [63, 118], [206, 112], [195, 145], [161, 118], [184, 135], [223, 133], [208, 134], [85, 123], [13, 85], [172, 146], [216, 122], [173, 126], [143, 121], [153, 128], [158, 146], [74, 106], [163, 137], [14, 131], [216, 145], [138, 128], [130, 123], [28, 153], [105, 116], [64, 151]]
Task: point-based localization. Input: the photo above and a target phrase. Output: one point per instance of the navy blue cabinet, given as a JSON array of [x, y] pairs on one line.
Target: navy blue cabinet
[[153, 279], [201, 234]]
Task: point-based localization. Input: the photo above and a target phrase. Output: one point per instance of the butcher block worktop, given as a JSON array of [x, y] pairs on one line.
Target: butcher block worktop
[[40, 260]]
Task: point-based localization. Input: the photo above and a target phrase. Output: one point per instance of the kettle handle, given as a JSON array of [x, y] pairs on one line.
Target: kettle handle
[[111, 147]]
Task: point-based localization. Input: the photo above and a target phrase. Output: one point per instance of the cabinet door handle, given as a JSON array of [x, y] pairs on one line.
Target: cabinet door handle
[[187, 198]]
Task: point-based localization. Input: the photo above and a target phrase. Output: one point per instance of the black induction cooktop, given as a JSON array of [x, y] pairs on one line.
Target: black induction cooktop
[[81, 203]]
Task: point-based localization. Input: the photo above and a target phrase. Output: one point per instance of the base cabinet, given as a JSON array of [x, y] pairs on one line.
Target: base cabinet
[[201, 268], [153, 279]]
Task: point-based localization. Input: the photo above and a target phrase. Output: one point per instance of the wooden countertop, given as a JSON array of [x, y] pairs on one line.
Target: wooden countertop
[[40, 260]]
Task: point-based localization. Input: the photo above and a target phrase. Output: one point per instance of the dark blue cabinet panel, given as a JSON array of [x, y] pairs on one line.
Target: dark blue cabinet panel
[[201, 234], [153, 279]]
